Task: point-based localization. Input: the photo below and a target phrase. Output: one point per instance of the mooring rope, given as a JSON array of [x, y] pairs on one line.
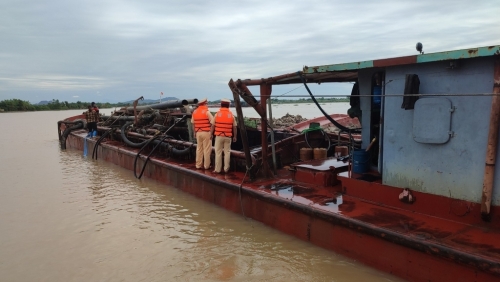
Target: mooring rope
[[241, 187]]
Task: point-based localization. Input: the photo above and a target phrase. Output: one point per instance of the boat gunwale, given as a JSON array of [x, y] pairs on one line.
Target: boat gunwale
[[423, 245]]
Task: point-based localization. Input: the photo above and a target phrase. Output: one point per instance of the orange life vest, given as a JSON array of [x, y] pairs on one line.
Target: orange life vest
[[224, 123], [200, 118]]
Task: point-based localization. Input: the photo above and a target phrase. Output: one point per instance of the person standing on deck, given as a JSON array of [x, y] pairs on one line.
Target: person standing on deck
[[224, 126], [92, 117], [95, 108], [202, 120]]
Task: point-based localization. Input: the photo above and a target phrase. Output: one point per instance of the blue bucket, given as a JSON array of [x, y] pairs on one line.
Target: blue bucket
[[361, 161]]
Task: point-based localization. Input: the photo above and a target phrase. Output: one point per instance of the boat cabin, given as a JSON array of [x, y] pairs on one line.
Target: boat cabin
[[430, 121]]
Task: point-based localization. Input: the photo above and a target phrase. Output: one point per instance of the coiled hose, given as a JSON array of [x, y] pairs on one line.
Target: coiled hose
[[154, 148], [127, 141], [77, 124]]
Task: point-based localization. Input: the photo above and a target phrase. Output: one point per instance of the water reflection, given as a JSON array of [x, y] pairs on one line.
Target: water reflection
[[65, 217]]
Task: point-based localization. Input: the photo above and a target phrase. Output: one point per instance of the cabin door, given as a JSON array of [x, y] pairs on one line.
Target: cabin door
[[376, 120]]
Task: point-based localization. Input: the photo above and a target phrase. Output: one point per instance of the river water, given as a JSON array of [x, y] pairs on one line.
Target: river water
[[65, 217]]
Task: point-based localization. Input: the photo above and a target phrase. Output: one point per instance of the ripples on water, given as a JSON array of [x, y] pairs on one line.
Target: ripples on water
[[64, 217]]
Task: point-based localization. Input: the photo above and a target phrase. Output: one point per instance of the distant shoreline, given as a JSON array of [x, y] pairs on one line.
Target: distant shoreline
[[210, 105]]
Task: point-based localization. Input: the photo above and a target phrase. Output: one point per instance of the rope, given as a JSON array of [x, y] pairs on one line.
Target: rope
[[241, 187]]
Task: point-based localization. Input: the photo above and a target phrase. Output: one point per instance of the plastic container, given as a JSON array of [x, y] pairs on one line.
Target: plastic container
[[306, 154], [319, 153], [360, 161], [341, 151]]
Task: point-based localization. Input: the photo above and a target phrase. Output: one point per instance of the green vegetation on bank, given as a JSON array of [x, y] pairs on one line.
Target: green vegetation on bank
[[17, 105]]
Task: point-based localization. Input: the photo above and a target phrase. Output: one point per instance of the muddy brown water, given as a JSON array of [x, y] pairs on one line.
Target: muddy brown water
[[65, 217]]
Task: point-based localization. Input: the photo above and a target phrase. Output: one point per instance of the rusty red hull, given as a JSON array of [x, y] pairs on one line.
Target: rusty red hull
[[370, 232]]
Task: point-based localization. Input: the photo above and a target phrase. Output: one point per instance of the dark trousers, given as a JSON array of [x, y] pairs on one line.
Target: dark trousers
[[92, 126]]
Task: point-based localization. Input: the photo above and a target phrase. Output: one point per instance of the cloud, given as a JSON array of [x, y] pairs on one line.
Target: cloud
[[125, 49]]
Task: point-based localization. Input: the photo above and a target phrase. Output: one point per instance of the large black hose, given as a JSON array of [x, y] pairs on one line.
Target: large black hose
[[77, 124], [127, 141], [137, 156], [180, 152], [98, 142], [340, 126], [155, 147]]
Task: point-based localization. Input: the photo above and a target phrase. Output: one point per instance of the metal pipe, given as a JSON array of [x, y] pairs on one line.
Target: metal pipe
[[124, 118], [491, 151], [165, 105], [273, 148]]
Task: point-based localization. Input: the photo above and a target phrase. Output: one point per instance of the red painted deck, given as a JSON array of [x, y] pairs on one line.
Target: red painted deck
[[366, 221]]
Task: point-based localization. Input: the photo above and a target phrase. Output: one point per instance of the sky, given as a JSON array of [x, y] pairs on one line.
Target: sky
[[119, 50]]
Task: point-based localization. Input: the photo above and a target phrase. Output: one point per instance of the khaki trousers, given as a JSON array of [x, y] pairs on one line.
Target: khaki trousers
[[222, 143], [203, 149]]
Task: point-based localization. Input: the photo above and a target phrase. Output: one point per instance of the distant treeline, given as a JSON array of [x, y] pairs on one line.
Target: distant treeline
[[16, 105]]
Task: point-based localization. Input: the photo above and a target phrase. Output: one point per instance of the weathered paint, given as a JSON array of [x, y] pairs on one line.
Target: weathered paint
[[339, 67], [459, 54], [454, 169], [397, 61]]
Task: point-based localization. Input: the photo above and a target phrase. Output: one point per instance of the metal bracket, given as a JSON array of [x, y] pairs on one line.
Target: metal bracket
[[452, 109], [451, 133]]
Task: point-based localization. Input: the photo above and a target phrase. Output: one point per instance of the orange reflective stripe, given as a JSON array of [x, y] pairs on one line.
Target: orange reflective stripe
[[224, 120], [201, 121]]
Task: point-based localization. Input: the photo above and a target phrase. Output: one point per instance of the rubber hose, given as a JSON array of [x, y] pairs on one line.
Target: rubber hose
[[340, 126], [98, 142], [67, 131], [137, 157], [127, 141], [157, 145]]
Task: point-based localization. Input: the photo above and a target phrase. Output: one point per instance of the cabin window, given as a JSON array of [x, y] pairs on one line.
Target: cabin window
[[432, 120]]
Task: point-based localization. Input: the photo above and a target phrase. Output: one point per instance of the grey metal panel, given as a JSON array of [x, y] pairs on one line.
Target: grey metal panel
[[432, 120], [455, 168]]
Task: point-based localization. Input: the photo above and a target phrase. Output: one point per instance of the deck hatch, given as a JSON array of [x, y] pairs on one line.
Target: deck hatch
[[432, 120]]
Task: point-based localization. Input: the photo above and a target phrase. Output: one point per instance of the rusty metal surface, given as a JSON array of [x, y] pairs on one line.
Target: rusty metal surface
[[491, 151], [318, 215], [311, 77], [423, 58]]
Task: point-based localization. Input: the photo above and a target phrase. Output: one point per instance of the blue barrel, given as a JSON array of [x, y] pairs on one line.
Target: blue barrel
[[377, 95], [361, 161]]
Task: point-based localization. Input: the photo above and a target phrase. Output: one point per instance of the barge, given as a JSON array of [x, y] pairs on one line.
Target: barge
[[413, 191]]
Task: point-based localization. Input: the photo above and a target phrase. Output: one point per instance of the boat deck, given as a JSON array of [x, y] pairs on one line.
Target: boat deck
[[477, 244]]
